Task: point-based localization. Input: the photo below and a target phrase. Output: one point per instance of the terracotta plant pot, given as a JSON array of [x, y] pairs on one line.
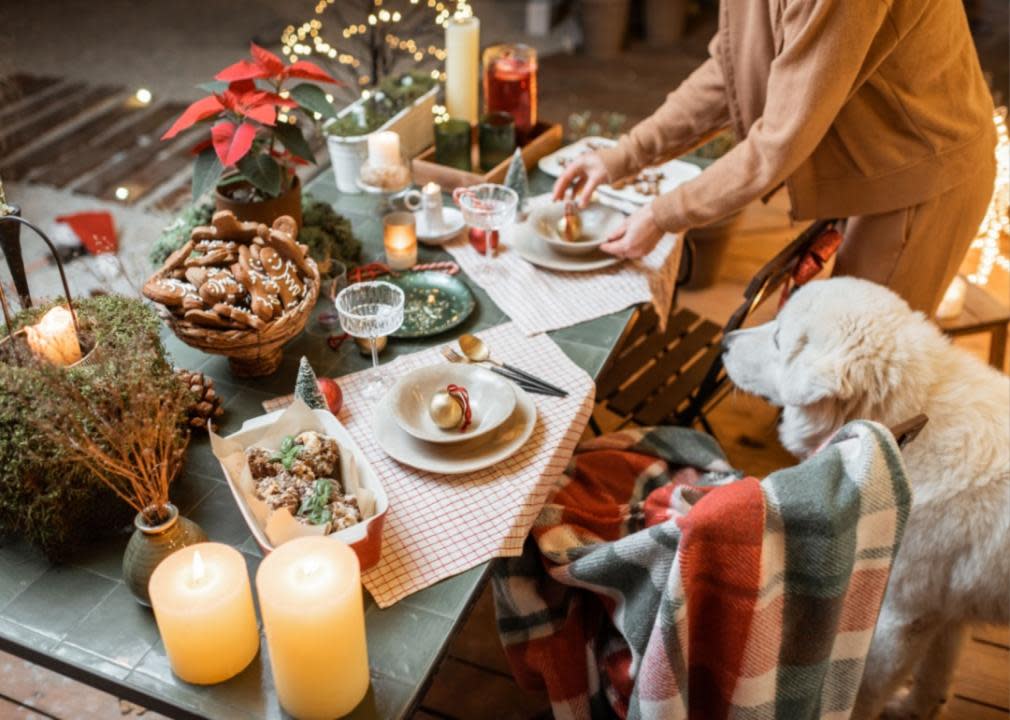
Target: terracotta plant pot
[[150, 544], [604, 25], [266, 211], [664, 21]]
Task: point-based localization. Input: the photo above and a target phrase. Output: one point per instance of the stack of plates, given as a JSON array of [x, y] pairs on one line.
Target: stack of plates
[[538, 241], [503, 420]]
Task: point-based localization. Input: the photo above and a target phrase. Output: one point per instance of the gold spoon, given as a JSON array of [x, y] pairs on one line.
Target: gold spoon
[[477, 351]]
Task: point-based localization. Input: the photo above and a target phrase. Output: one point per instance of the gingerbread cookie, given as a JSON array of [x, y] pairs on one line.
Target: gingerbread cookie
[[262, 290], [240, 315], [168, 291], [209, 318], [176, 259], [220, 286], [283, 273]]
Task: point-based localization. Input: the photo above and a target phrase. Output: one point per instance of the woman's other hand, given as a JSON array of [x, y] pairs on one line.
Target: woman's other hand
[[583, 174], [635, 237]]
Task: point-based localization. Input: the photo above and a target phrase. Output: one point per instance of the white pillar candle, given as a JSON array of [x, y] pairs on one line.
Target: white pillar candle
[[431, 205], [313, 615], [384, 149], [462, 62], [204, 609], [54, 338], [399, 237]]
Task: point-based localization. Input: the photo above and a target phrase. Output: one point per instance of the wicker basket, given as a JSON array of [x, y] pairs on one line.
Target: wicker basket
[[250, 353]]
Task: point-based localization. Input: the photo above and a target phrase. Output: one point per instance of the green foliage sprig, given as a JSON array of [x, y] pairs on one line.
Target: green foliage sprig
[[288, 452], [314, 506], [391, 96]]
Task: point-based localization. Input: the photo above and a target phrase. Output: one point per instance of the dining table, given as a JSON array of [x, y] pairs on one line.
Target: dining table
[[80, 619]]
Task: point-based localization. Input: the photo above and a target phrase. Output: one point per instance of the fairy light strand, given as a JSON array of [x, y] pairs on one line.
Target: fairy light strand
[[996, 223]]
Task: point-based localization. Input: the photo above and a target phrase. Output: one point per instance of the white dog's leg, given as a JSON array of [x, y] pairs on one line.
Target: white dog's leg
[[899, 641], [932, 678]]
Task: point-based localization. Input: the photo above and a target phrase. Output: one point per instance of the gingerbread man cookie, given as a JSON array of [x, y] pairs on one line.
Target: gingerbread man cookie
[[240, 315], [283, 273]]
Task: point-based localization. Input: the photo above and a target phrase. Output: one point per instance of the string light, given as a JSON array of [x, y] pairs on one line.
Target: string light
[[996, 223], [122, 193], [308, 38], [143, 96]]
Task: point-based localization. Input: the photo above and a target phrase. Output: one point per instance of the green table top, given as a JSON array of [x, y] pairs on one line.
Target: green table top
[[80, 619]]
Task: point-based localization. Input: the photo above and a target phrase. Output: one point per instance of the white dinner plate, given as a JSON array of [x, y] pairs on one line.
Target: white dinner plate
[[531, 248], [452, 227], [491, 400], [675, 172], [457, 458]]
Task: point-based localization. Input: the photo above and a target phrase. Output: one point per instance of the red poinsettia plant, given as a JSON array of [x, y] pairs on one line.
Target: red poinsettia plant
[[252, 143]]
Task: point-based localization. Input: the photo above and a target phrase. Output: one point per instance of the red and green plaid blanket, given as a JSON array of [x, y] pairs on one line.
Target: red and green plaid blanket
[[659, 583]]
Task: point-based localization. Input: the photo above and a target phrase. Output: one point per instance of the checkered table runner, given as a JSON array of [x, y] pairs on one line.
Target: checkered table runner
[[441, 525], [539, 300]]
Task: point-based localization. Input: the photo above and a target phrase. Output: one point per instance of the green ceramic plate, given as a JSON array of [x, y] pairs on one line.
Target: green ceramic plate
[[433, 303]]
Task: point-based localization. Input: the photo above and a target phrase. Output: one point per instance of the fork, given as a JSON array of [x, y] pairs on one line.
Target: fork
[[454, 357]]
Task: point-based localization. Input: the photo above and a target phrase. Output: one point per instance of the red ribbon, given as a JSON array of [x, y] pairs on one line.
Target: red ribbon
[[460, 395]]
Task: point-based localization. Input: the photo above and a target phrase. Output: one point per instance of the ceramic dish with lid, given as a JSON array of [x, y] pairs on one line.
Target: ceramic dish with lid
[[492, 401]]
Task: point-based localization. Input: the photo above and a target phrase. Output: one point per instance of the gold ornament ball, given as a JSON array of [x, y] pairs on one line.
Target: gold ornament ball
[[445, 411]]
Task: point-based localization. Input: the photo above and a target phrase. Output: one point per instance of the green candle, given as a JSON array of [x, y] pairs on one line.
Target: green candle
[[497, 135], [452, 143]]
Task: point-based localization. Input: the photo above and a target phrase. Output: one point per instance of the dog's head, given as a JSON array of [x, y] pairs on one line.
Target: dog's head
[[845, 342]]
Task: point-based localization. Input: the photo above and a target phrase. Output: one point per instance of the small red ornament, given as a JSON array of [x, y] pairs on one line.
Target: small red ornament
[[331, 393], [477, 239]]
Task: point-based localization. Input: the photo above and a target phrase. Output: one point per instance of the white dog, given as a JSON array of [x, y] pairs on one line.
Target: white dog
[[843, 349]]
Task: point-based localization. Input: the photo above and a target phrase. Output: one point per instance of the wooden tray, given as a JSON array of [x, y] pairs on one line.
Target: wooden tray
[[546, 138]]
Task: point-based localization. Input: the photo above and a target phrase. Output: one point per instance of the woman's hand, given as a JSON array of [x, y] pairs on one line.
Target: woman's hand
[[636, 237], [583, 174]]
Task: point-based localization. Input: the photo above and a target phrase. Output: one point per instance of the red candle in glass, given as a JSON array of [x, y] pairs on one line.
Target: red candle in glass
[[510, 84]]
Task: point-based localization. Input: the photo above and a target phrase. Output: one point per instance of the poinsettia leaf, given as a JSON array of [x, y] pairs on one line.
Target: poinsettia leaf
[[265, 113], [207, 171], [231, 142], [312, 98], [310, 71], [266, 59], [242, 70], [200, 110], [294, 142], [263, 172]]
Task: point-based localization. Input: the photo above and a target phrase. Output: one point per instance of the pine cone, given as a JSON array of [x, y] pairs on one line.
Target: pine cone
[[207, 403]]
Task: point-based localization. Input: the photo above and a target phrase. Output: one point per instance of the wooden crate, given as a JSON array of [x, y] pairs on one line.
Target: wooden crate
[[546, 139]]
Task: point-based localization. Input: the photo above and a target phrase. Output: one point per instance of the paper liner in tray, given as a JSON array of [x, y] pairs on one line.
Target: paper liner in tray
[[273, 528]]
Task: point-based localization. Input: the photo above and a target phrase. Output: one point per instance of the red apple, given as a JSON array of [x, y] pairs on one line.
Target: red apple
[[331, 393]]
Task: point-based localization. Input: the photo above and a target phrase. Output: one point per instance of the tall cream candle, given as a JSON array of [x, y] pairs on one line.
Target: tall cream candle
[[313, 615], [462, 64], [204, 609], [54, 338]]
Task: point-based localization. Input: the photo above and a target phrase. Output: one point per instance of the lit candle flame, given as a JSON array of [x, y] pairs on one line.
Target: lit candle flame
[[199, 569]]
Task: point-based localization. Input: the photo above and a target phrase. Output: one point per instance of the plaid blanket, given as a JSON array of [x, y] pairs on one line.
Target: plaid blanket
[[659, 583]]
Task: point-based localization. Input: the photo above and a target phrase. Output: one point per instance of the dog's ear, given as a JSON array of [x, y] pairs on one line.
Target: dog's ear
[[808, 380]]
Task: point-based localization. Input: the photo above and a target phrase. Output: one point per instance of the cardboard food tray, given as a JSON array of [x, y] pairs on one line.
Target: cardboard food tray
[[365, 538], [546, 138]]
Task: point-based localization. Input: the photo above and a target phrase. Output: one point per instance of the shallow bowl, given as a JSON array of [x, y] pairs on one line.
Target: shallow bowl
[[598, 221]]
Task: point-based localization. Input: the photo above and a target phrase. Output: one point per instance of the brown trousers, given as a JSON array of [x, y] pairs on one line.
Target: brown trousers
[[916, 251]]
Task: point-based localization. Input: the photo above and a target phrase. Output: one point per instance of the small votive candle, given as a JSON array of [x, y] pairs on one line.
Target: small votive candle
[[204, 609], [384, 149], [400, 239], [314, 620], [54, 338], [452, 144], [431, 206]]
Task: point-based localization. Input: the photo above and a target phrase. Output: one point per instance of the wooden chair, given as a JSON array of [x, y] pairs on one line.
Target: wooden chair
[[982, 313], [676, 376]]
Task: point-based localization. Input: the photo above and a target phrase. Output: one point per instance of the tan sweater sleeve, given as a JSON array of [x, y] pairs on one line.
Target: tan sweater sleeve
[[824, 48], [690, 113]]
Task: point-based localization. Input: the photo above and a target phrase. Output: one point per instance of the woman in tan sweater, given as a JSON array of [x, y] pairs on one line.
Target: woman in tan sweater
[[870, 110]]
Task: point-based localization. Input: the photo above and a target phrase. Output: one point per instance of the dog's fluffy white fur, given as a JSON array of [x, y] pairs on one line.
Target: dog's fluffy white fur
[[843, 349]]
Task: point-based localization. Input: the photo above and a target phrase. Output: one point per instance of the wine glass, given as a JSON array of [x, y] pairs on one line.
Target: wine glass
[[489, 207], [371, 310]]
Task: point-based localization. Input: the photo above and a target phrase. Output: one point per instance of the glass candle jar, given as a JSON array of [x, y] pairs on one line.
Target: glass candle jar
[[497, 139], [452, 144], [399, 237], [510, 84]]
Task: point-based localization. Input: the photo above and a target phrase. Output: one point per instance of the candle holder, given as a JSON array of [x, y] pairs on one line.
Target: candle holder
[[452, 144], [510, 84], [14, 348], [388, 181], [399, 237], [497, 139]]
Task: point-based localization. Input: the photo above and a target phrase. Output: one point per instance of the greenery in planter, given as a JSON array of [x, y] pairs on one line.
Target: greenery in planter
[[255, 142], [380, 105], [327, 233], [55, 504]]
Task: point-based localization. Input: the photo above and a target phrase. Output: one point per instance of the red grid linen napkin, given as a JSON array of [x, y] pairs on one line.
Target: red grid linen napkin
[[549, 300], [440, 525]]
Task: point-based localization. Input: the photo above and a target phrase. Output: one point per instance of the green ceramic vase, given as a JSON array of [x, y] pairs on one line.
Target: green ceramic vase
[[150, 544]]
